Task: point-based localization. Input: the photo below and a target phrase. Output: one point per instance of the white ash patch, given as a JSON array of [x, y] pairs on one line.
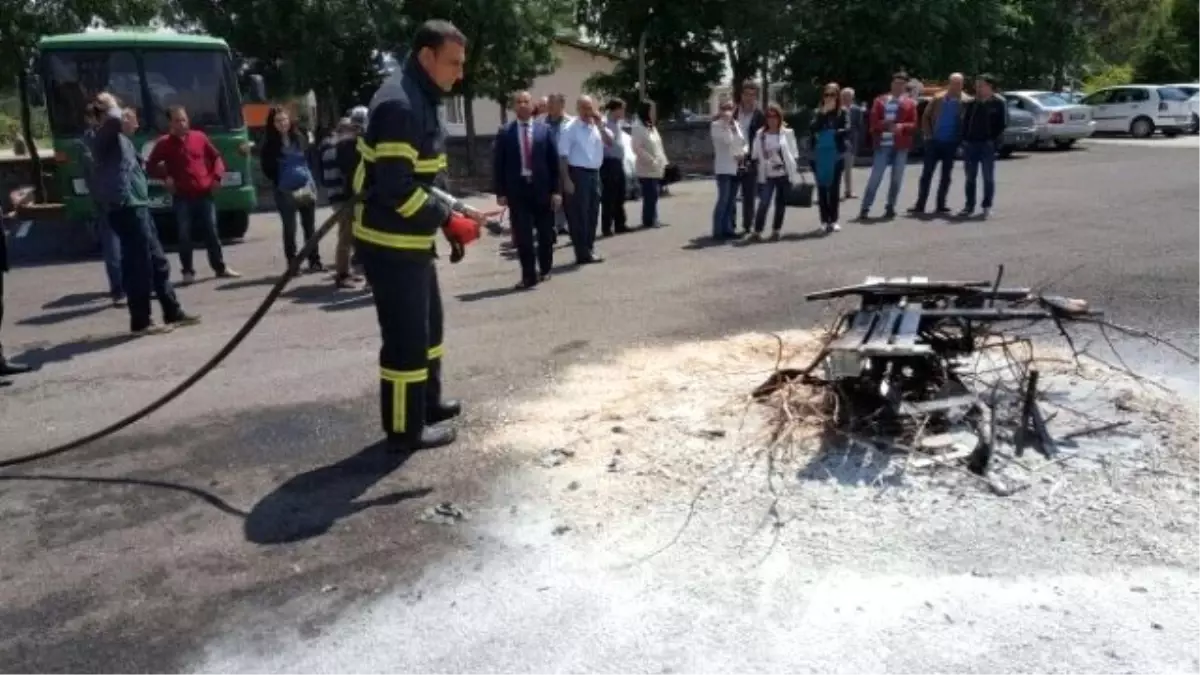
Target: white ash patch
[[670, 433]]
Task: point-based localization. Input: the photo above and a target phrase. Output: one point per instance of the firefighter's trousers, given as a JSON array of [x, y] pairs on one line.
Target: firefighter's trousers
[[409, 305]]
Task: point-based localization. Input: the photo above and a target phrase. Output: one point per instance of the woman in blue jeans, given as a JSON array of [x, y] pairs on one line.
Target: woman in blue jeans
[[284, 162], [729, 147]]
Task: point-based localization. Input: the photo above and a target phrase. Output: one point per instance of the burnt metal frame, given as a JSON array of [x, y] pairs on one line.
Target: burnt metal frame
[[908, 334]]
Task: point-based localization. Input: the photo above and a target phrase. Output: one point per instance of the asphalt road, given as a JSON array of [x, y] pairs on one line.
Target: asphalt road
[[255, 509]]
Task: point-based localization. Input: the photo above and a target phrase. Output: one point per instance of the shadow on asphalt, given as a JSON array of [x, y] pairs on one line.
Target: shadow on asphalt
[[37, 357], [58, 317], [203, 495], [268, 280], [309, 504], [75, 300]]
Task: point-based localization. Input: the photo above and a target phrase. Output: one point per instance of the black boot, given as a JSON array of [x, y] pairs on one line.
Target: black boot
[[430, 437], [10, 368], [446, 410]]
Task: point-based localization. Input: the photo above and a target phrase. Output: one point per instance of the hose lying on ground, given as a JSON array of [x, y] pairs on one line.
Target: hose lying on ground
[[292, 271]]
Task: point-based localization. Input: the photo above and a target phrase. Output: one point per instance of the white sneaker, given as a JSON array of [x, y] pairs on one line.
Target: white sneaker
[[835, 227], [187, 278]]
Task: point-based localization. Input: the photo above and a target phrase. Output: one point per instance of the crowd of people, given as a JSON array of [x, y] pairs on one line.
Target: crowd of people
[[562, 175], [756, 154]]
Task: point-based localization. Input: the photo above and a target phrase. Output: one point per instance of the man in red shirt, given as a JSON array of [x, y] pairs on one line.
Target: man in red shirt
[[191, 168], [892, 121]]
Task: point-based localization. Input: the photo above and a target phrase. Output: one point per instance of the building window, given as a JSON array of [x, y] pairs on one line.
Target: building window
[[454, 110]]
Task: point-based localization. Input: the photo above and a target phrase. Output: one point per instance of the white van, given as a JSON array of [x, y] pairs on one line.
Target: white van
[[1140, 110]]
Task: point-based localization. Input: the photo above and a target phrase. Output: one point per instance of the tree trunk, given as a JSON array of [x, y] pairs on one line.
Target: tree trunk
[[35, 157], [766, 82], [503, 113], [469, 122]]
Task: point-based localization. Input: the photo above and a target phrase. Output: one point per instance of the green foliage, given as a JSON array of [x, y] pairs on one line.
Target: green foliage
[[1109, 76], [10, 121], [1171, 51], [682, 62]]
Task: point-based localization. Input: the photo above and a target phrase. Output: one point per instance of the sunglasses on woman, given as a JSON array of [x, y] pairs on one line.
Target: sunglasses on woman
[[830, 94]]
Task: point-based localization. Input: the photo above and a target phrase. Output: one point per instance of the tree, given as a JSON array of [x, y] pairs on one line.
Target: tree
[[30, 20], [1170, 54], [509, 44], [682, 61]]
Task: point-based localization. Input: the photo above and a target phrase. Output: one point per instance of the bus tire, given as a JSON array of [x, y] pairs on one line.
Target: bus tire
[[233, 225]]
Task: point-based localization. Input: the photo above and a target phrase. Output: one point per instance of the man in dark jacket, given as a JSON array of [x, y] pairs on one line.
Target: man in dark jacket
[[402, 159], [121, 190], [749, 116], [984, 119], [8, 367]]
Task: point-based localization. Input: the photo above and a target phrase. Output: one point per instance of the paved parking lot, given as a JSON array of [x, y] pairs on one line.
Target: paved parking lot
[[238, 511]]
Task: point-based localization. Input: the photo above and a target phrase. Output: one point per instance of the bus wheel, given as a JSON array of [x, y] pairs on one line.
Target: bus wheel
[[232, 225]]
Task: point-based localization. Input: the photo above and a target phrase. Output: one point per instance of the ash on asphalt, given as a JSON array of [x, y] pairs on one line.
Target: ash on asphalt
[[112, 576]]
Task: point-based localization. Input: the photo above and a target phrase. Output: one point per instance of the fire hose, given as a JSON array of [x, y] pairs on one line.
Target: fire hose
[[293, 270]]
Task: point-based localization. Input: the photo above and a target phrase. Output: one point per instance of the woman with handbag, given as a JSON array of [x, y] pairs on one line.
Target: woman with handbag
[[829, 127], [775, 153], [284, 161], [650, 160]]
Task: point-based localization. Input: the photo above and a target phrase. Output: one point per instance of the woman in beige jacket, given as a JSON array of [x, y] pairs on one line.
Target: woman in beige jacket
[[650, 160]]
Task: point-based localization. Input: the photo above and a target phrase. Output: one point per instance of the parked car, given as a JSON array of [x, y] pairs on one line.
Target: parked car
[[1193, 92], [1019, 134], [1021, 131], [1058, 120], [1140, 110]]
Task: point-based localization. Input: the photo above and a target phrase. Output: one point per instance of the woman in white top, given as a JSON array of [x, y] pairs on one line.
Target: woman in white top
[[728, 149], [650, 160], [774, 150]]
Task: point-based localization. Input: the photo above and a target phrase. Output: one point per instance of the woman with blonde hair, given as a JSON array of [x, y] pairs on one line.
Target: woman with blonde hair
[[775, 153], [830, 124]]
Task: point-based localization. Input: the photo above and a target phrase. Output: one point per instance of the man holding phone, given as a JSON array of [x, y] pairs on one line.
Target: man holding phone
[[581, 145]]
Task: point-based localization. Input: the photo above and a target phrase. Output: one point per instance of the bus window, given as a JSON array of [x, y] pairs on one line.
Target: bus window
[[74, 78], [200, 81]]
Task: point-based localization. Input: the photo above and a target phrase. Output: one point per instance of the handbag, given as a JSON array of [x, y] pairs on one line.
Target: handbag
[[672, 174], [800, 194]]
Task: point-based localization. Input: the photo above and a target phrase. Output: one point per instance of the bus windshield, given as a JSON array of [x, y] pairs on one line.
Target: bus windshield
[[150, 80]]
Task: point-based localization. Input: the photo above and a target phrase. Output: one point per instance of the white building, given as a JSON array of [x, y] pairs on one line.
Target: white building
[[577, 61]]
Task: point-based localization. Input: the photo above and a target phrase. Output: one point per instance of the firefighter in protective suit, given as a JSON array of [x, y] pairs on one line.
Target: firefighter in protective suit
[[401, 156]]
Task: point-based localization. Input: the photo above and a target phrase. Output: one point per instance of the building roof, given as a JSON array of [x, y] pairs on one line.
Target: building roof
[[595, 50], [142, 38]]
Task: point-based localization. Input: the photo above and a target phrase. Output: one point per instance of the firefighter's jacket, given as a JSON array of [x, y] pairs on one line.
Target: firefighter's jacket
[[402, 151]]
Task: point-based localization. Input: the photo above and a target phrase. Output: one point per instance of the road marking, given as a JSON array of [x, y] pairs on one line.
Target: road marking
[[1154, 141]]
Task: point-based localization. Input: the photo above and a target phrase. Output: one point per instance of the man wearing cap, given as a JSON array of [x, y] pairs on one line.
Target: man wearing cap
[[338, 162]]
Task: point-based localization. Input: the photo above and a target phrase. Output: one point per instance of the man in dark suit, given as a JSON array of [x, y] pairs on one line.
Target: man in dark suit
[[16, 198], [749, 116], [525, 179]]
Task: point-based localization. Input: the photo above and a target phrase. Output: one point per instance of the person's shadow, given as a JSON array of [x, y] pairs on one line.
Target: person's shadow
[[309, 504]]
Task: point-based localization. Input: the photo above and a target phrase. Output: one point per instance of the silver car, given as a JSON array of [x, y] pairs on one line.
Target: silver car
[[1059, 121]]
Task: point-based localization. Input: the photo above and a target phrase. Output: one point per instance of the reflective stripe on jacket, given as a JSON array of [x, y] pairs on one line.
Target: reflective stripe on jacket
[[401, 154]]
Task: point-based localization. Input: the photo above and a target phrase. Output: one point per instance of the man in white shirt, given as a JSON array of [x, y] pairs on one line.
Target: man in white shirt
[[556, 118], [581, 147]]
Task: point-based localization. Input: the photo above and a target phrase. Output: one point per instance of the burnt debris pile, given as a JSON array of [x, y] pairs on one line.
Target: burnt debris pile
[[944, 369]]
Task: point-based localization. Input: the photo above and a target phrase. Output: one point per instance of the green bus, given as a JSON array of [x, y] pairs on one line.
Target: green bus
[[150, 71]]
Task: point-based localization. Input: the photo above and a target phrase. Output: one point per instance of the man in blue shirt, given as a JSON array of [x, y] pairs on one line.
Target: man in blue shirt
[[941, 127], [581, 145]]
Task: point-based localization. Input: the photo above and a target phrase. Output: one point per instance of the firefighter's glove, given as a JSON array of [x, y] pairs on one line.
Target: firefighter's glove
[[460, 231]]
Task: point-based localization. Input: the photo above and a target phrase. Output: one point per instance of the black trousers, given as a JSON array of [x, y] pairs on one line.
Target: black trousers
[[533, 225], [828, 196], [2, 273], [408, 304], [612, 196], [144, 266], [748, 180]]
